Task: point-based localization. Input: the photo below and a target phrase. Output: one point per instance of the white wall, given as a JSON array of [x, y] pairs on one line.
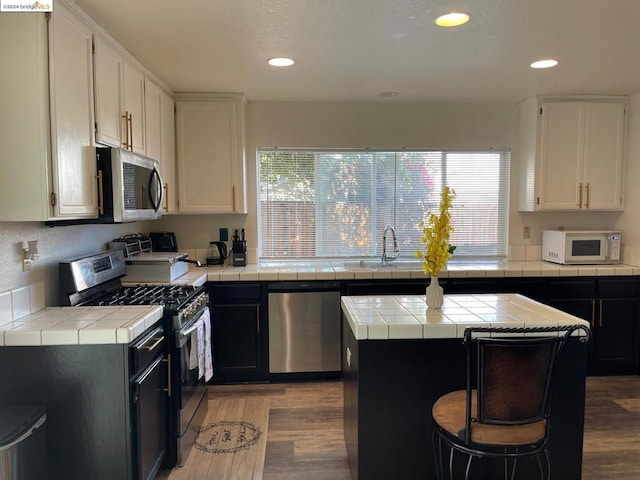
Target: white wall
[[55, 244]]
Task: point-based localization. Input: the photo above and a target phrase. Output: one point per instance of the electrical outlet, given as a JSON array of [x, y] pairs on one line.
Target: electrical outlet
[[526, 233], [224, 234]]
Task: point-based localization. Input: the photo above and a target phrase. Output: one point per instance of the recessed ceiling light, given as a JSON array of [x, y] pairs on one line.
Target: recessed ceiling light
[[453, 19], [389, 94], [548, 63], [280, 62]]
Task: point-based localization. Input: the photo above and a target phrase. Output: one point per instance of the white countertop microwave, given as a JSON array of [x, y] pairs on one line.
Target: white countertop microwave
[[581, 246]]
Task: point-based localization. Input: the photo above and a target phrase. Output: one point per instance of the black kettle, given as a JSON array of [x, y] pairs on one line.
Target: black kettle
[[217, 253]]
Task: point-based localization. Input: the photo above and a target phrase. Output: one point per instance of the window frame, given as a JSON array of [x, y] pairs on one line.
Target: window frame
[[503, 206]]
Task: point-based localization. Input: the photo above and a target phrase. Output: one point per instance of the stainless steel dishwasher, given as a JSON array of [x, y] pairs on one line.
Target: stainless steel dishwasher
[[304, 327]]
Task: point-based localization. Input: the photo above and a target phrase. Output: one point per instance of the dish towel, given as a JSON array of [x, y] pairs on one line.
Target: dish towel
[[197, 346], [208, 363]]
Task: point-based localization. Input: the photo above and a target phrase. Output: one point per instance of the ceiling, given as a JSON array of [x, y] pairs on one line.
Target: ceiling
[[353, 50]]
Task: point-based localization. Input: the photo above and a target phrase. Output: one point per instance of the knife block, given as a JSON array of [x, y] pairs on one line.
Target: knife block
[[239, 253]]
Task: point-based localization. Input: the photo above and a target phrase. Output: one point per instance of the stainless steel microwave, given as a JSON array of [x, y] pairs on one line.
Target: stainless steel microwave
[[129, 186], [581, 246]]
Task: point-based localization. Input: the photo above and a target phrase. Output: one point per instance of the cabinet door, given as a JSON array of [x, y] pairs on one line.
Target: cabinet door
[[168, 146], [133, 103], [152, 114], [71, 86], [24, 116], [603, 155], [150, 409], [108, 79], [238, 339], [615, 339], [560, 156], [210, 156]]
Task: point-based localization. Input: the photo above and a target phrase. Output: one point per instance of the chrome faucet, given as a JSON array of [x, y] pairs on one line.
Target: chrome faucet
[[385, 259]]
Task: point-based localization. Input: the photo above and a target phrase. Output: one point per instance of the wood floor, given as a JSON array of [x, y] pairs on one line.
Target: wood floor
[[305, 442], [612, 429]]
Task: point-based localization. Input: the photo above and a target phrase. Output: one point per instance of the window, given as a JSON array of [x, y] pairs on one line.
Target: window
[[319, 204]]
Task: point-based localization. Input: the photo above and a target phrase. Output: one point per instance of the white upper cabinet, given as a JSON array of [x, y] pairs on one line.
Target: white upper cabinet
[[210, 153], [47, 164], [160, 139], [119, 99], [572, 153], [108, 74], [133, 100], [72, 117], [168, 162], [152, 120]]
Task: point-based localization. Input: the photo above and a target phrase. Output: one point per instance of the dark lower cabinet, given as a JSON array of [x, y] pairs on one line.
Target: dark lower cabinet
[[239, 330], [615, 329], [611, 307], [150, 418]]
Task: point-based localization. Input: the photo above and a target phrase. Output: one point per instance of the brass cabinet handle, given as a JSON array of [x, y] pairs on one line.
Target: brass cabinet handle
[[168, 389], [100, 193], [130, 120], [166, 197], [158, 341], [587, 195], [600, 321], [125, 144], [580, 195], [593, 313], [233, 197]]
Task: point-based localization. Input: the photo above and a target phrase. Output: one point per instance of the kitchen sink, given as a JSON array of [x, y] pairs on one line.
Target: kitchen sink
[[375, 265]]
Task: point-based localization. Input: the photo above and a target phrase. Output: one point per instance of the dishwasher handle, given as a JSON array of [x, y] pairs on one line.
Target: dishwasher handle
[[311, 286]]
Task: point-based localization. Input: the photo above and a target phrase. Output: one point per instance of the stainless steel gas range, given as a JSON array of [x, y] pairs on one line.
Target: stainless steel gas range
[[97, 280]]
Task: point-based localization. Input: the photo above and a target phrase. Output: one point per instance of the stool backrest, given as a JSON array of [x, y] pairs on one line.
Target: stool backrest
[[513, 374]]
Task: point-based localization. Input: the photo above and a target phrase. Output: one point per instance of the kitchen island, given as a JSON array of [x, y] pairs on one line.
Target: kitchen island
[[399, 357]]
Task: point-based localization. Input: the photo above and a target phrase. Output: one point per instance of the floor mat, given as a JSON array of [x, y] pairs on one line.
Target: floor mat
[[231, 444]]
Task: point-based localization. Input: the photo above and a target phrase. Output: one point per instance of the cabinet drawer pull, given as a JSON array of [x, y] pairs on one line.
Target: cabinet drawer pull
[[593, 314], [168, 389], [580, 195], [125, 144], [600, 321], [587, 196], [100, 193], [130, 120], [166, 197], [158, 341]]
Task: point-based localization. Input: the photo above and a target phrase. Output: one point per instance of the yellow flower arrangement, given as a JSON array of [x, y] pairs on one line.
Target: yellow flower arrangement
[[436, 231]]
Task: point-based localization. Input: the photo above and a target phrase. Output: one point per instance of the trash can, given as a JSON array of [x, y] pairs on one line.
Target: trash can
[[23, 442]]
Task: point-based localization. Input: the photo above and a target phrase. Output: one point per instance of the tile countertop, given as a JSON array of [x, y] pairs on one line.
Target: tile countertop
[[350, 270], [80, 326], [407, 317]]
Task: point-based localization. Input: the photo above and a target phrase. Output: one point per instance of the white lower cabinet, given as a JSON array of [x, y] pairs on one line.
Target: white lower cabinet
[[210, 153], [47, 165], [572, 153]]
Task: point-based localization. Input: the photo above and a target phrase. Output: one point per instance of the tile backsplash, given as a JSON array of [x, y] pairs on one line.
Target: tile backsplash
[[20, 302], [522, 253]]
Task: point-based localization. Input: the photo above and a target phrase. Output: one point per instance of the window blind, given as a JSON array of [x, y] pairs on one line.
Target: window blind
[[319, 204]]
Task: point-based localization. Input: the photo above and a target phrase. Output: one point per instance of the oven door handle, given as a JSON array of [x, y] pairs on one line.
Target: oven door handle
[[189, 330]]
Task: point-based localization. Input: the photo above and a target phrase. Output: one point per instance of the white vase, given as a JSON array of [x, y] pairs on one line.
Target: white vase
[[434, 293]]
